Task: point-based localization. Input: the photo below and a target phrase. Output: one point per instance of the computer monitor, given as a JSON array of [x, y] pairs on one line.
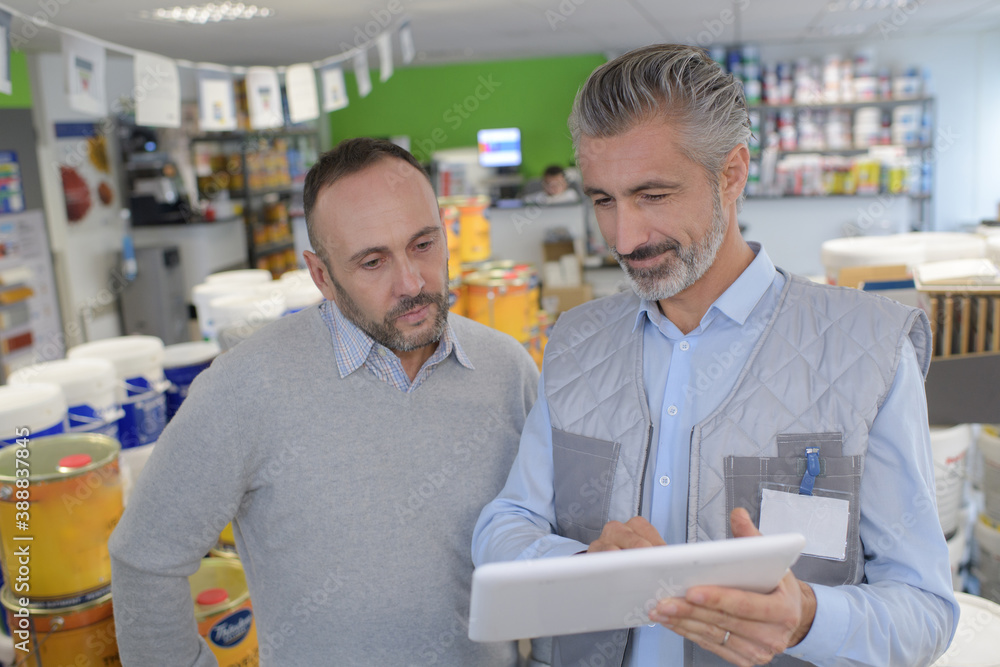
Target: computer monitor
[[500, 147]]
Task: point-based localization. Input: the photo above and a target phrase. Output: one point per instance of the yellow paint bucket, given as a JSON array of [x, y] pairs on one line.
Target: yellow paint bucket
[[449, 216], [83, 634], [223, 612], [529, 273], [474, 228], [499, 302], [457, 298], [60, 520]]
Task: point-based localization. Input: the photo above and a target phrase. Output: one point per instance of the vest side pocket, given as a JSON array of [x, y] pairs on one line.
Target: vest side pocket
[[584, 474]]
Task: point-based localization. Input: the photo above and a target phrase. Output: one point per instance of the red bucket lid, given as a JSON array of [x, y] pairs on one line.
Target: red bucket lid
[[212, 596], [75, 461]]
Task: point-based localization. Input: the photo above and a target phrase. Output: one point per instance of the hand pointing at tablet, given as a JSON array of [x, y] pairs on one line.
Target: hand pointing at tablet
[[633, 534], [744, 628]]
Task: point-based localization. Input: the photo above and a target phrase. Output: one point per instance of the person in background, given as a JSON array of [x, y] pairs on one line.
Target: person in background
[[555, 188], [722, 394], [351, 445]]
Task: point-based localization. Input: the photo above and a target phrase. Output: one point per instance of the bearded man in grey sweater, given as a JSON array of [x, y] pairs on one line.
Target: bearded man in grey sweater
[[351, 445]]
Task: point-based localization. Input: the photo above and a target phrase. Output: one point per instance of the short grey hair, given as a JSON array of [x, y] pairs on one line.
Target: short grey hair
[[670, 81]]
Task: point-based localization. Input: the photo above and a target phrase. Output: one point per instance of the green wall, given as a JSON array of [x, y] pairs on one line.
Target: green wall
[[20, 97], [443, 106]]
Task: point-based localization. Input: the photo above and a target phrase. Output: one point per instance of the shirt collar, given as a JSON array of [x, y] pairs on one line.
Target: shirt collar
[[739, 299], [352, 346]]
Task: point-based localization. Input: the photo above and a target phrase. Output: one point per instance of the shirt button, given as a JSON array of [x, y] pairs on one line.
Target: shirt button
[[381, 352], [664, 480], [672, 410], [685, 345]]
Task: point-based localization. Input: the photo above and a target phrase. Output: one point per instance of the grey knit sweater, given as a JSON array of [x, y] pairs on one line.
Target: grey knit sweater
[[354, 503]]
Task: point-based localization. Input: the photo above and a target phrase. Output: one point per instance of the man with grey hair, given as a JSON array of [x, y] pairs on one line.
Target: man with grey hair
[[722, 395]]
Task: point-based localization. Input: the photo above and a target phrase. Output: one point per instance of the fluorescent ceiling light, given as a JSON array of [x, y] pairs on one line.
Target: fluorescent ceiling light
[[210, 13]]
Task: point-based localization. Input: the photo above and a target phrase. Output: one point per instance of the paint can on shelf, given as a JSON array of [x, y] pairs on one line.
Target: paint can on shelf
[[986, 564], [977, 639]]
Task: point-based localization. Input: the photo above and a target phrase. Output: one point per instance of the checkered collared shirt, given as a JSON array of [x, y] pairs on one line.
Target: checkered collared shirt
[[354, 348]]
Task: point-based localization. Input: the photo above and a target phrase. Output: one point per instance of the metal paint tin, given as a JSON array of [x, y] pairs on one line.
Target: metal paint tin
[[83, 634], [70, 505], [223, 612]]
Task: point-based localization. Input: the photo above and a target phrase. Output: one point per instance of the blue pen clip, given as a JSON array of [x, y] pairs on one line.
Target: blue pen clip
[[812, 471]]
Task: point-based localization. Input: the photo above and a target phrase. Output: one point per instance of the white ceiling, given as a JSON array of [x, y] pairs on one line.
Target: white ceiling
[[466, 30]]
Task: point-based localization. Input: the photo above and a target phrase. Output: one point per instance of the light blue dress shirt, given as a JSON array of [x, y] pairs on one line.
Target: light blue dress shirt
[[904, 613]]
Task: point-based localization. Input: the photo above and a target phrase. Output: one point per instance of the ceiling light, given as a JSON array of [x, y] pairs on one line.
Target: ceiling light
[[211, 12]]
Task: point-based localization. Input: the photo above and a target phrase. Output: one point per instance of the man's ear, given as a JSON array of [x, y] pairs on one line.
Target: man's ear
[[734, 174], [320, 275]]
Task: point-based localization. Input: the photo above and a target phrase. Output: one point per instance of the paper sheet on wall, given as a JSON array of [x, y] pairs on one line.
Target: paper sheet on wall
[[264, 98], [157, 91], [85, 71], [5, 85], [215, 100], [406, 49], [300, 87], [334, 89], [384, 44], [362, 74]]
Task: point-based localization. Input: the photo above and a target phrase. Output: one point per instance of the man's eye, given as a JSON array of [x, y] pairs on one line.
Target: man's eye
[[371, 264], [424, 245], [603, 201]]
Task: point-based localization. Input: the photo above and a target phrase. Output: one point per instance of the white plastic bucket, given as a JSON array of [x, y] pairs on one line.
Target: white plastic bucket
[[989, 447], [138, 362], [977, 639], [89, 386], [837, 254], [950, 446], [31, 410], [987, 561], [236, 317], [181, 364], [202, 295], [247, 276]]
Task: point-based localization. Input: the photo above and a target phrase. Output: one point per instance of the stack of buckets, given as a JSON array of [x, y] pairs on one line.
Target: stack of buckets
[[60, 499], [501, 294], [232, 305]]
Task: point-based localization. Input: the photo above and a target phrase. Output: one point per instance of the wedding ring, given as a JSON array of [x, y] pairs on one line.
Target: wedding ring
[[725, 639]]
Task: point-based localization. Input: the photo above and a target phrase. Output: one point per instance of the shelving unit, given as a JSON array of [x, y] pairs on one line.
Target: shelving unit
[[262, 175], [867, 165]]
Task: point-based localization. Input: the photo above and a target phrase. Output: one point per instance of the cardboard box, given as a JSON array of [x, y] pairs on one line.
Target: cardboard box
[[567, 297]]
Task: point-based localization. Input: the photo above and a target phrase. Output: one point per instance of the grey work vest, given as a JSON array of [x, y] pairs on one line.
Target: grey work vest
[[821, 368]]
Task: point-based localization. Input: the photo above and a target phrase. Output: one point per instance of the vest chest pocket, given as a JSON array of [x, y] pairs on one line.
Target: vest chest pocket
[[839, 475], [584, 473]]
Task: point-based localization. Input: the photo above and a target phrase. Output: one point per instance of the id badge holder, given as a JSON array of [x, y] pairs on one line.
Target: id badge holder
[[822, 516]]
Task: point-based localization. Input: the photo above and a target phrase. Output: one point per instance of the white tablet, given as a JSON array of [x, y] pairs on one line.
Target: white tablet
[[616, 589]]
